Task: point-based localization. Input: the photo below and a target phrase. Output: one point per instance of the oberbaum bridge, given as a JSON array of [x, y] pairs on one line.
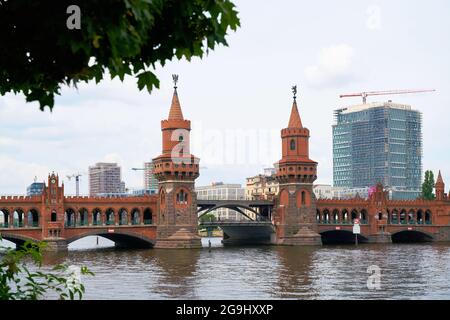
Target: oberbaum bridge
[[170, 219]]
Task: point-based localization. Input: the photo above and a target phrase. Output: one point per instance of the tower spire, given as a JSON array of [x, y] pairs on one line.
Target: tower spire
[[439, 179], [294, 119], [439, 187], [175, 112]]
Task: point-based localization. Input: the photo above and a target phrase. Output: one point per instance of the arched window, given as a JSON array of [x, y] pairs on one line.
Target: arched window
[[284, 198], [292, 144], [53, 217], [182, 197], [302, 198], [428, 217], [180, 138], [148, 216]]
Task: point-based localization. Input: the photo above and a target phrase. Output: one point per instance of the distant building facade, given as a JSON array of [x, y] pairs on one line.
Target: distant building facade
[[150, 181], [105, 180], [222, 191], [378, 143], [35, 188], [262, 186]]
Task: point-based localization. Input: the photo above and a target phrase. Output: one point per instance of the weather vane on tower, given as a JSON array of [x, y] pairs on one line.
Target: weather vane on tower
[[294, 91], [175, 80]]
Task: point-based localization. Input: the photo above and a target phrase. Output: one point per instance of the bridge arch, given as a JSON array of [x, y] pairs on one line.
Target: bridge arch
[[110, 217], [97, 217], [363, 215], [69, 217], [5, 218], [353, 215], [419, 216], [33, 217], [148, 216], [394, 217], [334, 236], [122, 239], [83, 217], [344, 215], [428, 217], [410, 236], [17, 239], [135, 215], [234, 207], [123, 216]]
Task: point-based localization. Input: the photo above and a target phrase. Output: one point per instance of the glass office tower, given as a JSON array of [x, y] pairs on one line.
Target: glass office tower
[[378, 142]]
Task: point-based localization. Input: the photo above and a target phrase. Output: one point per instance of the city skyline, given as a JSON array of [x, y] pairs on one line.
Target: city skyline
[[114, 122]]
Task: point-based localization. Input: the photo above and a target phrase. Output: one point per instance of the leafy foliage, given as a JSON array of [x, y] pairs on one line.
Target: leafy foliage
[[126, 37], [428, 186], [17, 282], [208, 218]]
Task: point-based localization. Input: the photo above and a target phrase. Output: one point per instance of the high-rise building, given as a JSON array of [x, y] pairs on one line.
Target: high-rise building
[[378, 142], [150, 181], [222, 191], [35, 188], [105, 179]]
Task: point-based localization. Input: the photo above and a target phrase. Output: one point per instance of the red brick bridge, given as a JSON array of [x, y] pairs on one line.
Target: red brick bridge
[[60, 220], [170, 218], [384, 220]]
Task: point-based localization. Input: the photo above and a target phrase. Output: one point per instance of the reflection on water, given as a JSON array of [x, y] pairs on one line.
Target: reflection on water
[[409, 271]]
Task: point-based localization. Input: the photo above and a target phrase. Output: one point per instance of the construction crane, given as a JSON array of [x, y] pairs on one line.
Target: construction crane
[[77, 181], [364, 95]]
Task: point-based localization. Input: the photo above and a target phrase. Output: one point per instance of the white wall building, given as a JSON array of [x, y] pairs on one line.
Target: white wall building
[[222, 191]]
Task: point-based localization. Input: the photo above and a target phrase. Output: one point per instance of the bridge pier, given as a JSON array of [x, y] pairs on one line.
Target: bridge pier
[[182, 238], [380, 237], [56, 245], [305, 236]]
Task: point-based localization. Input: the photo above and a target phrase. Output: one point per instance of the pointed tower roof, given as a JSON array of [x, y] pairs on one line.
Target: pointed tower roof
[[294, 119], [439, 180], [175, 112]]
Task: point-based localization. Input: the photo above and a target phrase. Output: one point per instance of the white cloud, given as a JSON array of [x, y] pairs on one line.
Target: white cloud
[[112, 157], [19, 174], [333, 66]]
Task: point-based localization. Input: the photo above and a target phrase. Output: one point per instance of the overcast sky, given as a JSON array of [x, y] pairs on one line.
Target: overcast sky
[[239, 97]]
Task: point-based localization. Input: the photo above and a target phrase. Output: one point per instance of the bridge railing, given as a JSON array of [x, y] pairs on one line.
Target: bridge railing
[[340, 222], [413, 222], [17, 224]]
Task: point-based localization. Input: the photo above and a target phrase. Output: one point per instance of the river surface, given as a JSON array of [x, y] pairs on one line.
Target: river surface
[[407, 271]]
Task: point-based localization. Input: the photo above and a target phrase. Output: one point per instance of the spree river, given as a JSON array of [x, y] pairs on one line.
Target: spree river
[[407, 271]]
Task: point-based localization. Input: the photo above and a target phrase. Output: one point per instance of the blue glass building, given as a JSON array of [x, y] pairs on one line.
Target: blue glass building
[[35, 188], [378, 142]]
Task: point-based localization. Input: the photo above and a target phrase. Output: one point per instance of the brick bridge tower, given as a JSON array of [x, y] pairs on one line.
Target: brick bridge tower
[[53, 214], [439, 187], [176, 170], [295, 213]]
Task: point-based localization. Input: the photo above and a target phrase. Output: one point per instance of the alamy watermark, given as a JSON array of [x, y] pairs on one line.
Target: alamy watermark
[[373, 21], [374, 279], [74, 19], [236, 146], [74, 278]]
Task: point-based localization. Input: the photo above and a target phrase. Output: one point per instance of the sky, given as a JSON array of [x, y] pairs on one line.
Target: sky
[[239, 97]]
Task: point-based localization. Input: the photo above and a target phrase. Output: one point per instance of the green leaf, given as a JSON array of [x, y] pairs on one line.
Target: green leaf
[[147, 79]]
